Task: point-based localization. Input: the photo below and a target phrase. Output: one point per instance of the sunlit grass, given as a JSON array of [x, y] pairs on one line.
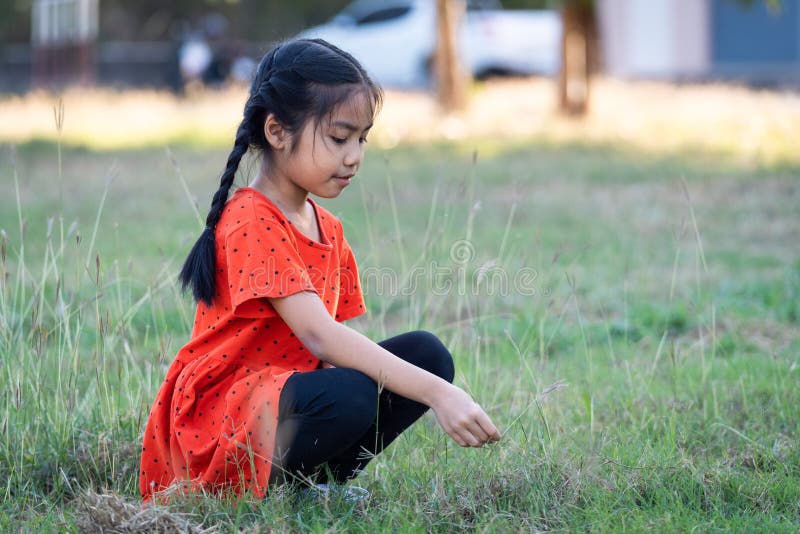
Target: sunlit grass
[[658, 118]]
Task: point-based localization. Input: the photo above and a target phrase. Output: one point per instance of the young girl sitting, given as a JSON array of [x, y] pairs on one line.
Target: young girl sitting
[[272, 386]]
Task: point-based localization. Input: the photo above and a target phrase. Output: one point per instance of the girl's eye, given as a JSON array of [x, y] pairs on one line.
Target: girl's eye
[[343, 140]]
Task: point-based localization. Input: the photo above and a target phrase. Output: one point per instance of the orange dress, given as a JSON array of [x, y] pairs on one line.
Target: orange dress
[[212, 425]]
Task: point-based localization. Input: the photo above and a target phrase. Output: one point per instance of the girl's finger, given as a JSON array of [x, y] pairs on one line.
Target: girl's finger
[[476, 430], [488, 427], [467, 438], [457, 437]]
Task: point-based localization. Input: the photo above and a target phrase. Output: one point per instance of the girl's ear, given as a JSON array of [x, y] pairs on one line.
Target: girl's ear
[[274, 132]]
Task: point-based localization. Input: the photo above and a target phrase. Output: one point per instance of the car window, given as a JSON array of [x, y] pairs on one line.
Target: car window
[[383, 15]]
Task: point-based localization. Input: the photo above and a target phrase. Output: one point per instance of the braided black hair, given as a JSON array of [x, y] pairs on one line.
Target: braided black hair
[[297, 81]]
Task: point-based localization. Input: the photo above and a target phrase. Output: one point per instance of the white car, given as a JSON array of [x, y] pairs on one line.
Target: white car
[[395, 39]]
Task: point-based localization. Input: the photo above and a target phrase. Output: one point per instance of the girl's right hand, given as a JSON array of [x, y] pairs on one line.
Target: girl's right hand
[[462, 418]]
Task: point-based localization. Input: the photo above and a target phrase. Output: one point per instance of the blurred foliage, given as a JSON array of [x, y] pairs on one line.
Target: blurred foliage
[[529, 4], [254, 20], [773, 5], [152, 20], [15, 20], [248, 19]]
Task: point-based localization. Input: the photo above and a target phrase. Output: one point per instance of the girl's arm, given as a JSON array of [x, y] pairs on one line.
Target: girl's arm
[[462, 418]]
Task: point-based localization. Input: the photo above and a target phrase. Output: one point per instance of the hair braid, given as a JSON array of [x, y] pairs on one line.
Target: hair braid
[[240, 146], [199, 270]]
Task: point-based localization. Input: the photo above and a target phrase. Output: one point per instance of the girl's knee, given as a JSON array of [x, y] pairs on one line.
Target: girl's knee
[[359, 399], [438, 359], [340, 393]]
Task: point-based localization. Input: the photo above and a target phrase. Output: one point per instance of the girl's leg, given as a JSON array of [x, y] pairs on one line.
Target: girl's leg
[[395, 413], [336, 416], [320, 414]]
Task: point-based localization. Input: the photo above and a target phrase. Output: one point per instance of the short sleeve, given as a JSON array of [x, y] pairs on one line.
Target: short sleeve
[[351, 300], [263, 263]]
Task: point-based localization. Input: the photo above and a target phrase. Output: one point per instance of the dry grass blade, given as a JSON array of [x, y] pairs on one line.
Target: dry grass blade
[[556, 386], [109, 513], [192, 201], [685, 187]]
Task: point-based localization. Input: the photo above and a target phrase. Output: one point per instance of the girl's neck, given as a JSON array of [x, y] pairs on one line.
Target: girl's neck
[[292, 200]]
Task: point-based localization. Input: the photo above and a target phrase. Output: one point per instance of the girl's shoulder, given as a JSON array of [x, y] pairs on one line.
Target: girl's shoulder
[[247, 206]]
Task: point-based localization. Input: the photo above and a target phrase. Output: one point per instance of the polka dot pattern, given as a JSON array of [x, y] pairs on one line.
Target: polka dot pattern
[[213, 421]]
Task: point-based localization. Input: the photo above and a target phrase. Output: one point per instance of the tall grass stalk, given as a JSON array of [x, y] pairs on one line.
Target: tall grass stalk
[[58, 117]]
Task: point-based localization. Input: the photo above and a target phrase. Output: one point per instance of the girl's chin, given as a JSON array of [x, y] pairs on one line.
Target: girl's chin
[[331, 189], [327, 193]]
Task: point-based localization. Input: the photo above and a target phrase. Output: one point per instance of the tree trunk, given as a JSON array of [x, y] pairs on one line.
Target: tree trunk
[[579, 57], [450, 78]]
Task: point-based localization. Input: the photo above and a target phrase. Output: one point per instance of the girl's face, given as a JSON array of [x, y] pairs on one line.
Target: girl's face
[[328, 154]]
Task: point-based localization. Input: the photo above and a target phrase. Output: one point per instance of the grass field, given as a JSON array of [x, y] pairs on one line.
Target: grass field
[[629, 318]]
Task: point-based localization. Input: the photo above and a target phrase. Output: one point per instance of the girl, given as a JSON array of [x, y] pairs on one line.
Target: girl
[[271, 386]]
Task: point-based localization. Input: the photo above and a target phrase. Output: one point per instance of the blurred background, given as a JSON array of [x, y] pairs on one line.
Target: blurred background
[[126, 43], [497, 67]]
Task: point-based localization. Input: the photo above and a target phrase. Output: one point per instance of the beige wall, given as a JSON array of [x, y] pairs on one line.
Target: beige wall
[[655, 38]]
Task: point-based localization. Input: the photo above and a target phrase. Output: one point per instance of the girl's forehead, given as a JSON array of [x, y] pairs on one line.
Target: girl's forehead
[[358, 110]]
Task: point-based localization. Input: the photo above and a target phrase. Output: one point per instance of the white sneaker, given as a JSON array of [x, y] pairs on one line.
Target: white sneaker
[[350, 493]]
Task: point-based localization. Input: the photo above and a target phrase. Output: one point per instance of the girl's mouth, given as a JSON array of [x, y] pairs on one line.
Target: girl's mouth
[[343, 180]]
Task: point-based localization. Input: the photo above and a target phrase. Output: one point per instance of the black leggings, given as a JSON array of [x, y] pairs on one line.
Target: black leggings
[[335, 419]]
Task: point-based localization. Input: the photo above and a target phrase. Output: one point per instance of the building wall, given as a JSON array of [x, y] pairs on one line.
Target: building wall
[[701, 39], [756, 44], [655, 38]]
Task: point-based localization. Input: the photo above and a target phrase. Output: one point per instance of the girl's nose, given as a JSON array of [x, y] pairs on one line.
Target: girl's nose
[[353, 156]]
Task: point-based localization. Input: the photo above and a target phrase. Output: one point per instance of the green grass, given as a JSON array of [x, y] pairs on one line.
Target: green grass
[[657, 295]]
